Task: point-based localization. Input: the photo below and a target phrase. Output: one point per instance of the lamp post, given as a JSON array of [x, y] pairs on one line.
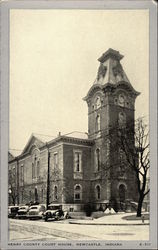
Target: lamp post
[[48, 178]]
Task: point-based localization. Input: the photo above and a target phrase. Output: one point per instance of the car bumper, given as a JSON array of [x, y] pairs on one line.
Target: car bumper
[[12, 216], [34, 216], [21, 216]]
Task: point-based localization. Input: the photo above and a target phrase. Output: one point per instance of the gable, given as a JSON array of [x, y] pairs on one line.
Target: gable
[[32, 142], [10, 156]]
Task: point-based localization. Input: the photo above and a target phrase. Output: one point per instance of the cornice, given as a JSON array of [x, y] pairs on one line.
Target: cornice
[[110, 86]]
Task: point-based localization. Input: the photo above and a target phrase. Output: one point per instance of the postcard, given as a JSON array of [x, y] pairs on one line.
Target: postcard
[[78, 127]]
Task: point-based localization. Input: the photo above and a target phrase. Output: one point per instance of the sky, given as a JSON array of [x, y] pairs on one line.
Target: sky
[[53, 63]]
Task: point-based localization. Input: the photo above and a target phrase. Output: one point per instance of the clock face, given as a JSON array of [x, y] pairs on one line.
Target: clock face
[[98, 102], [121, 99]]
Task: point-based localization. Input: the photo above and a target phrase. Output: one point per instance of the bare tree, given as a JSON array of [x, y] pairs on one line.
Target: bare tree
[[13, 192], [135, 145]]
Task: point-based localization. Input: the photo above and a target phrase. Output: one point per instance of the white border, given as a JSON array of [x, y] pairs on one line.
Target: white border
[[144, 4]]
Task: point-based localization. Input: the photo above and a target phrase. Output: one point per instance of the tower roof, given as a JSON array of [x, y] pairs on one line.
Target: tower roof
[[111, 73], [110, 69], [110, 53]]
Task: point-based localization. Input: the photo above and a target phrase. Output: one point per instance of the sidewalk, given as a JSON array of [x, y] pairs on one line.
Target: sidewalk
[[111, 219]]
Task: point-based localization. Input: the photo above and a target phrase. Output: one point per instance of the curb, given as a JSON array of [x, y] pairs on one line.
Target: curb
[[110, 224]]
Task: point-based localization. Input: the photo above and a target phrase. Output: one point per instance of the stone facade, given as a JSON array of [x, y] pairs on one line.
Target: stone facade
[[83, 170]]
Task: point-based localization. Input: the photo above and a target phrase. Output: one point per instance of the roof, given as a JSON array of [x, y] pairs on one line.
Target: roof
[[110, 74], [10, 155], [77, 134], [44, 138], [40, 140], [110, 53]]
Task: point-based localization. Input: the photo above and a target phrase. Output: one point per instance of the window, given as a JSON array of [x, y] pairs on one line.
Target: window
[[98, 195], [122, 119], [42, 194], [33, 171], [77, 161], [22, 196], [55, 159], [98, 123], [30, 194], [122, 169], [14, 172], [98, 159], [55, 193], [10, 175], [38, 168], [22, 174], [77, 192]]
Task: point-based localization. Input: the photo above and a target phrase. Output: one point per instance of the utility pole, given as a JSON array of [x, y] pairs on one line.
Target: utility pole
[[48, 179]]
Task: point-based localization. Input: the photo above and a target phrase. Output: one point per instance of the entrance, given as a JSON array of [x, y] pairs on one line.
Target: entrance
[[122, 196]]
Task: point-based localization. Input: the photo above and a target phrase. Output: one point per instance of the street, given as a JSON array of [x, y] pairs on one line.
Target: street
[[62, 230]]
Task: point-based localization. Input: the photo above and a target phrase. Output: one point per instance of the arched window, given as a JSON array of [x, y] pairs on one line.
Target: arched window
[[77, 161], [98, 193], [22, 174], [77, 192], [55, 193], [98, 123], [33, 171], [122, 119], [122, 169], [38, 168], [98, 159], [36, 194]]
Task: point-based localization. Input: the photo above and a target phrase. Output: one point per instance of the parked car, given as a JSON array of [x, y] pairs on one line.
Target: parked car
[[12, 211], [22, 212], [55, 212], [36, 212]]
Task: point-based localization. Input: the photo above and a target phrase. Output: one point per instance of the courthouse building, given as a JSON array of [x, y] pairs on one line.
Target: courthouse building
[[84, 168]]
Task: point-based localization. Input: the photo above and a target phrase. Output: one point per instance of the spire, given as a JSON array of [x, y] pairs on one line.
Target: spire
[[110, 69], [110, 72]]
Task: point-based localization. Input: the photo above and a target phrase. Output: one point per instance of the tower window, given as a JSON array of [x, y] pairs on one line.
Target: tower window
[[78, 192], [98, 159], [98, 123], [55, 159], [122, 119], [77, 161]]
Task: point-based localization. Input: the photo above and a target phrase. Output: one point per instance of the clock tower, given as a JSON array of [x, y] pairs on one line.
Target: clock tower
[[111, 104]]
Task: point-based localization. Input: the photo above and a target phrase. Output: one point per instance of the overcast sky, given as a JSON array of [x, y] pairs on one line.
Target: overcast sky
[[53, 63]]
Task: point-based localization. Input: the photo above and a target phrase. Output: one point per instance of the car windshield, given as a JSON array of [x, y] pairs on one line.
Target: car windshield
[[34, 207], [14, 209], [22, 208], [54, 207]]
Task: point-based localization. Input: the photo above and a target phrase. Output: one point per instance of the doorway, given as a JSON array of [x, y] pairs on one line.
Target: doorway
[[122, 196]]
